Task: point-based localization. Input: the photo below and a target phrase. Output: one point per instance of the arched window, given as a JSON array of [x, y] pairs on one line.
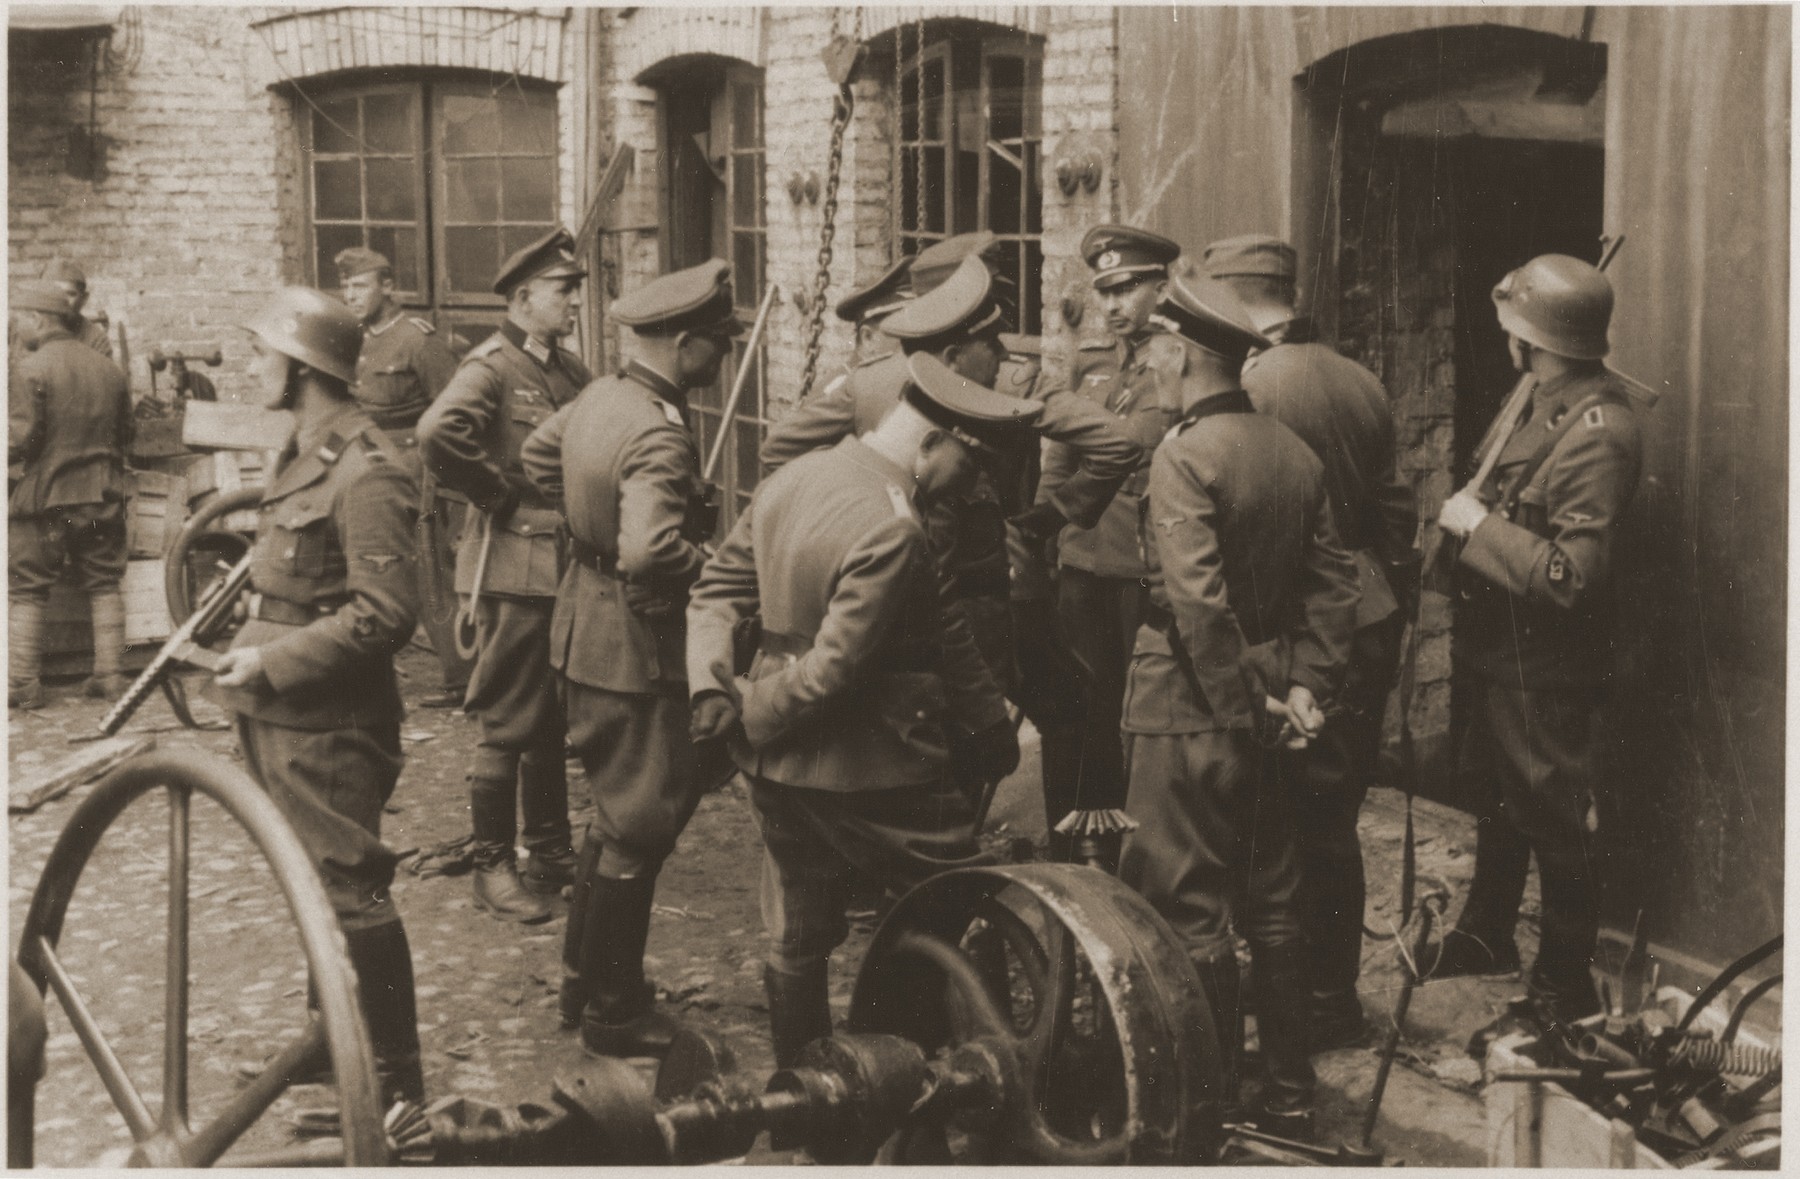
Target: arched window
[[970, 132], [445, 177]]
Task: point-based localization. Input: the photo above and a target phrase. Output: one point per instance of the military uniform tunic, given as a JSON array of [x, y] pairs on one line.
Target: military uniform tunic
[[1339, 409], [403, 366], [333, 599], [846, 705], [471, 436], [623, 463], [68, 426], [1533, 647], [1100, 585], [1252, 594]]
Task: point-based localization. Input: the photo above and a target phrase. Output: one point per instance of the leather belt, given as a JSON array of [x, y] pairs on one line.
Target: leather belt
[[906, 659], [603, 563], [267, 609]]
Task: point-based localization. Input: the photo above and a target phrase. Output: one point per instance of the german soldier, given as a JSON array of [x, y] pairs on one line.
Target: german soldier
[[404, 365], [956, 314], [622, 461], [1534, 633], [848, 707], [1251, 600], [334, 598], [1339, 409], [1135, 378], [506, 387], [865, 308], [91, 331], [68, 426]]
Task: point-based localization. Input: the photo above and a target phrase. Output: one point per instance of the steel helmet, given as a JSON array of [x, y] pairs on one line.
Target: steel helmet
[[313, 328], [1558, 303]]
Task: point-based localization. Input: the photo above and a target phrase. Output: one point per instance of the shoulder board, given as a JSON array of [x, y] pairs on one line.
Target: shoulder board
[[865, 363], [423, 324], [332, 448], [902, 507], [1595, 417], [1176, 429], [487, 347], [671, 413]]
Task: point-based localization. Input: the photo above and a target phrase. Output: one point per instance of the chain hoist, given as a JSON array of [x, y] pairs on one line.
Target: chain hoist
[[842, 58]]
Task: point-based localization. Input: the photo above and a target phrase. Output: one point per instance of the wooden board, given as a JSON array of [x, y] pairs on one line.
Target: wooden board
[[67, 623], [226, 425], [155, 512], [84, 765]]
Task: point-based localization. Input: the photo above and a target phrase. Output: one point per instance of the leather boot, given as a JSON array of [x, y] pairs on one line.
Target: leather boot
[[108, 680], [621, 1017], [1482, 942], [498, 890], [384, 982], [1283, 1032], [799, 1010], [573, 997], [1562, 976], [1219, 983], [1062, 772], [25, 636], [544, 803]]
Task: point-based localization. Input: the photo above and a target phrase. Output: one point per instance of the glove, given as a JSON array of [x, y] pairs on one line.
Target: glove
[[1040, 521], [649, 602], [992, 753], [505, 506], [714, 716]]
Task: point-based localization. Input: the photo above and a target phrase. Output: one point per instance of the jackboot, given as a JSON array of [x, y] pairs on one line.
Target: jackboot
[[621, 1017], [1062, 778], [1283, 996], [25, 636], [799, 1010], [497, 887], [384, 982], [108, 681], [573, 997], [544, 803], [550, 868], [1219, 983], [1482, 943], [1562, 976]]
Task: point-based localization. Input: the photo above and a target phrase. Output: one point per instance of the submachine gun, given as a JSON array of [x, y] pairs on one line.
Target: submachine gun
[[188, 645]]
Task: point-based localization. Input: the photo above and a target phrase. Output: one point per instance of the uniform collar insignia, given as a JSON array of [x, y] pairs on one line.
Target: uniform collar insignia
[[377, 329]]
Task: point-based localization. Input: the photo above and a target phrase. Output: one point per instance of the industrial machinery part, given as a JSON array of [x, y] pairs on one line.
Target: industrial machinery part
[[1040, 1013], [165, 1139]]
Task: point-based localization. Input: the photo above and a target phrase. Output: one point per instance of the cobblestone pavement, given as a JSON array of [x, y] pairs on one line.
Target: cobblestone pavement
[[487, 989]]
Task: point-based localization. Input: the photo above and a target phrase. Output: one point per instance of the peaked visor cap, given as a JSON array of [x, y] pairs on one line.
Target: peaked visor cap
[[962, 303], [886, 295], [550, 256], [1209, 313], [695, 299], [1120, 253], [1252, 255], [973, 414]]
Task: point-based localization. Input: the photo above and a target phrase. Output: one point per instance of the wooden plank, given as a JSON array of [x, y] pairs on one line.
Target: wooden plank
[[226, 425], [84, 765]]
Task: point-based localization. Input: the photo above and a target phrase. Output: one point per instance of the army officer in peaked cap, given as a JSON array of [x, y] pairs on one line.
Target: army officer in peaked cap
[[866, 308], [1251, 599], [844, 721], [507, 386], [622, 461]]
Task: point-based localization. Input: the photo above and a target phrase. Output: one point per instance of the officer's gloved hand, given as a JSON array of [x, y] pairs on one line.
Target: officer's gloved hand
[[1040, 521], [504, 507], [714, 715], [648, 601], [992, 753]]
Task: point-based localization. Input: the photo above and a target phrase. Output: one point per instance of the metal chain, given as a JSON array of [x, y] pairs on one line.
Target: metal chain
[[842, 108]]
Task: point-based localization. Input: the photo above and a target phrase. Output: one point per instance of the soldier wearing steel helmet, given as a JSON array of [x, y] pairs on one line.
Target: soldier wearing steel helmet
[[844, 719], [508, 385], [1251, 599], [310, 676], [69, 423], [1533, 635], [87, 329]]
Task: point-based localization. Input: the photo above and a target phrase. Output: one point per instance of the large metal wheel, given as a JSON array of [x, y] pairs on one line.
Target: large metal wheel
[[1070, 985], [204, 544], [166, 1139]]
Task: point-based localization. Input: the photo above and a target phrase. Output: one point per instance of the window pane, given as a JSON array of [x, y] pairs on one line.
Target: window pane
[[1033, 101], [527, 126], [746, 127], [909, 106], [1003, 195], [1006, 78], [470, 125], [516, 237], [967, 192], [391, 195], [749, 439], [470, 190], [1031, 304], [909, 188], [389, 124], [1034, 190], [746, 269], [472, 257], [934, 99], [401, 244], [934, 189], [331, 239], [337, 190], [744, 169], [334, 125], [525, 189]]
